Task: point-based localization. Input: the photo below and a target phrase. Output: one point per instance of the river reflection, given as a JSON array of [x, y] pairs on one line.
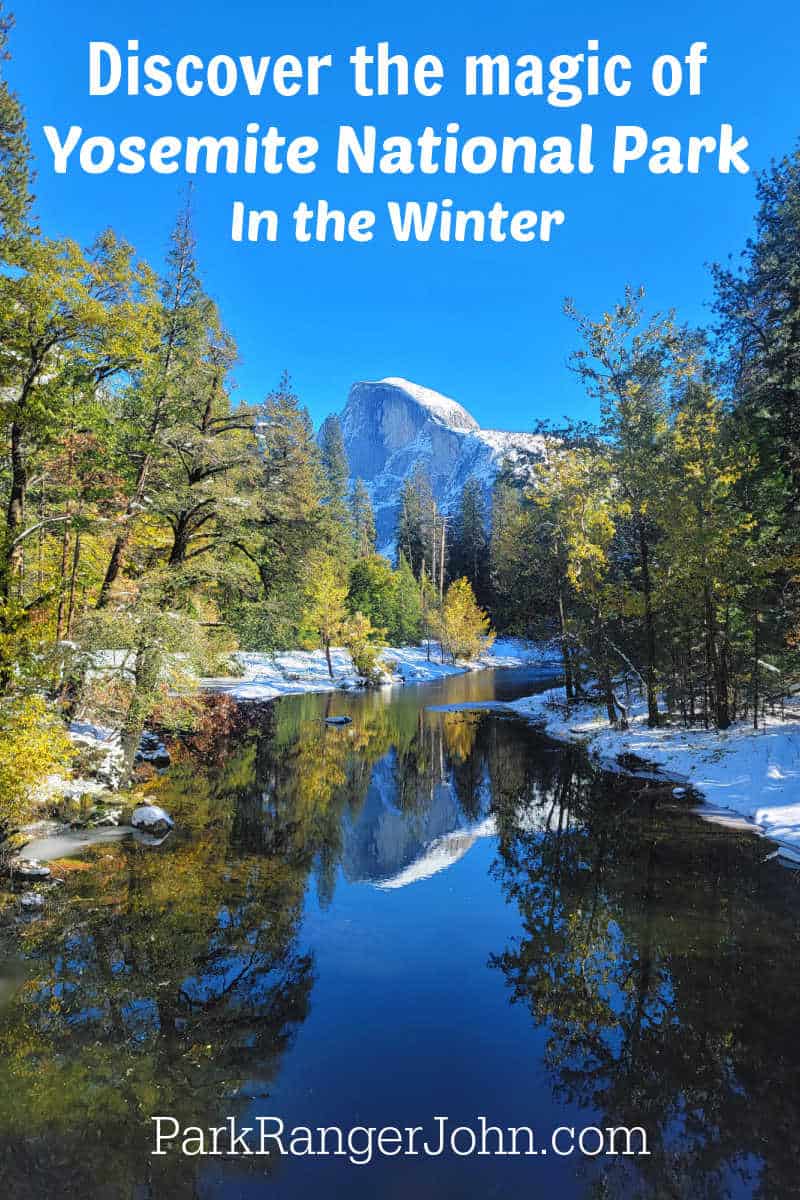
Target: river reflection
[[419, 913]]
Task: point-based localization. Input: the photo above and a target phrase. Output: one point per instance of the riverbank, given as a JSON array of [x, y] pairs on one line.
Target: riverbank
[[743, 774], [267, 676]]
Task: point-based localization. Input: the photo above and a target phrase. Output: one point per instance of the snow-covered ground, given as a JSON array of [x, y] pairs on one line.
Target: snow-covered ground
[[266, 676], [754, 774], [103, 761]]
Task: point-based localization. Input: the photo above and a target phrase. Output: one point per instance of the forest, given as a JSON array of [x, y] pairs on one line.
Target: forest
[[153, 524]]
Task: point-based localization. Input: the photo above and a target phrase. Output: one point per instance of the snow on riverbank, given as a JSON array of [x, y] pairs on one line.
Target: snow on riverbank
[[754, 774], [266, 676], [101, 761]]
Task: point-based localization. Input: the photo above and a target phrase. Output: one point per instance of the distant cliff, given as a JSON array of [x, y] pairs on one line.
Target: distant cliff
[[393, 427]]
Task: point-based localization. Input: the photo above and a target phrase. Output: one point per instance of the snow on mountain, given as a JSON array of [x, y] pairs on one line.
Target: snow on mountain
[[442, 408], [393, 427]]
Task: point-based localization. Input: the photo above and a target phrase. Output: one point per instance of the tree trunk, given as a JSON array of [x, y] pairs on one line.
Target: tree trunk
[[433, 546], [755, 667], [180, 542], [717, 666], [15, 513], [135, 501], [327, 646], [608, 692], [146, 671], [649, 630], [441, 562], [62, 596], [76, 555], [569, 685], [118, 552]]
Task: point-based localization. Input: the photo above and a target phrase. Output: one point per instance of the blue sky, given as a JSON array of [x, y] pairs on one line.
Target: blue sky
[[482, 323]]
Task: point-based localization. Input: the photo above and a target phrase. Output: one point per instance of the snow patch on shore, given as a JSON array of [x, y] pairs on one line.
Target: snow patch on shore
[[102, 757], [741, 772], [266, 676]]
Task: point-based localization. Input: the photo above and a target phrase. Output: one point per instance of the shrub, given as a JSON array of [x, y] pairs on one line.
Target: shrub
[[365, 644], [33, 744]]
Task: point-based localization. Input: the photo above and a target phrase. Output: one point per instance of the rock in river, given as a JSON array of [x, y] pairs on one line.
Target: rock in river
[[29, 868], [31, 902], [152, 750], [151, 819]]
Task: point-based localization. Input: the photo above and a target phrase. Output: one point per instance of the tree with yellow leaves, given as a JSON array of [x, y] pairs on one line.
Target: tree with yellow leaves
[[577, 495], [462, 625], [326, 615]]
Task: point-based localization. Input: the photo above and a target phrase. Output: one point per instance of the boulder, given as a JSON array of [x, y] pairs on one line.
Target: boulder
[[338, 720], [29, 869], [152, 750], [149, 818]]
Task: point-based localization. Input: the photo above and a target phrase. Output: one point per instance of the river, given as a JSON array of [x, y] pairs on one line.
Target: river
[[422, 913]]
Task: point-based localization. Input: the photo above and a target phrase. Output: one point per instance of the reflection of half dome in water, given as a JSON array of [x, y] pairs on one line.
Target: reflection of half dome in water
[[391, 846], [440, 854]]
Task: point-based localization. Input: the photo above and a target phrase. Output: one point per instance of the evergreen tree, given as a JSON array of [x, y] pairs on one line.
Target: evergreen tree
[[334, 462], [15, 171], [506, 554], [152, 404], [469, 546], [408, 606], [362, 520], [418, 533], [289, 521], [373, 592], [208, 449], [758, 308], [409, 536], [336, 470]]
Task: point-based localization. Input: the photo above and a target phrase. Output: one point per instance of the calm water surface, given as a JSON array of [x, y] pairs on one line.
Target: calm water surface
[[419, 914]]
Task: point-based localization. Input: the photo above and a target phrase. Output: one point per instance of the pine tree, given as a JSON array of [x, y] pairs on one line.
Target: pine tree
[[15, 171], [373, 592], [506, 555], [409, 536], [334, 461], [408, 606], [469, 547], [758, 308], [336, 470], [151, 404], [209, 449], [362, 520], [288, 523], [418, 533]]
